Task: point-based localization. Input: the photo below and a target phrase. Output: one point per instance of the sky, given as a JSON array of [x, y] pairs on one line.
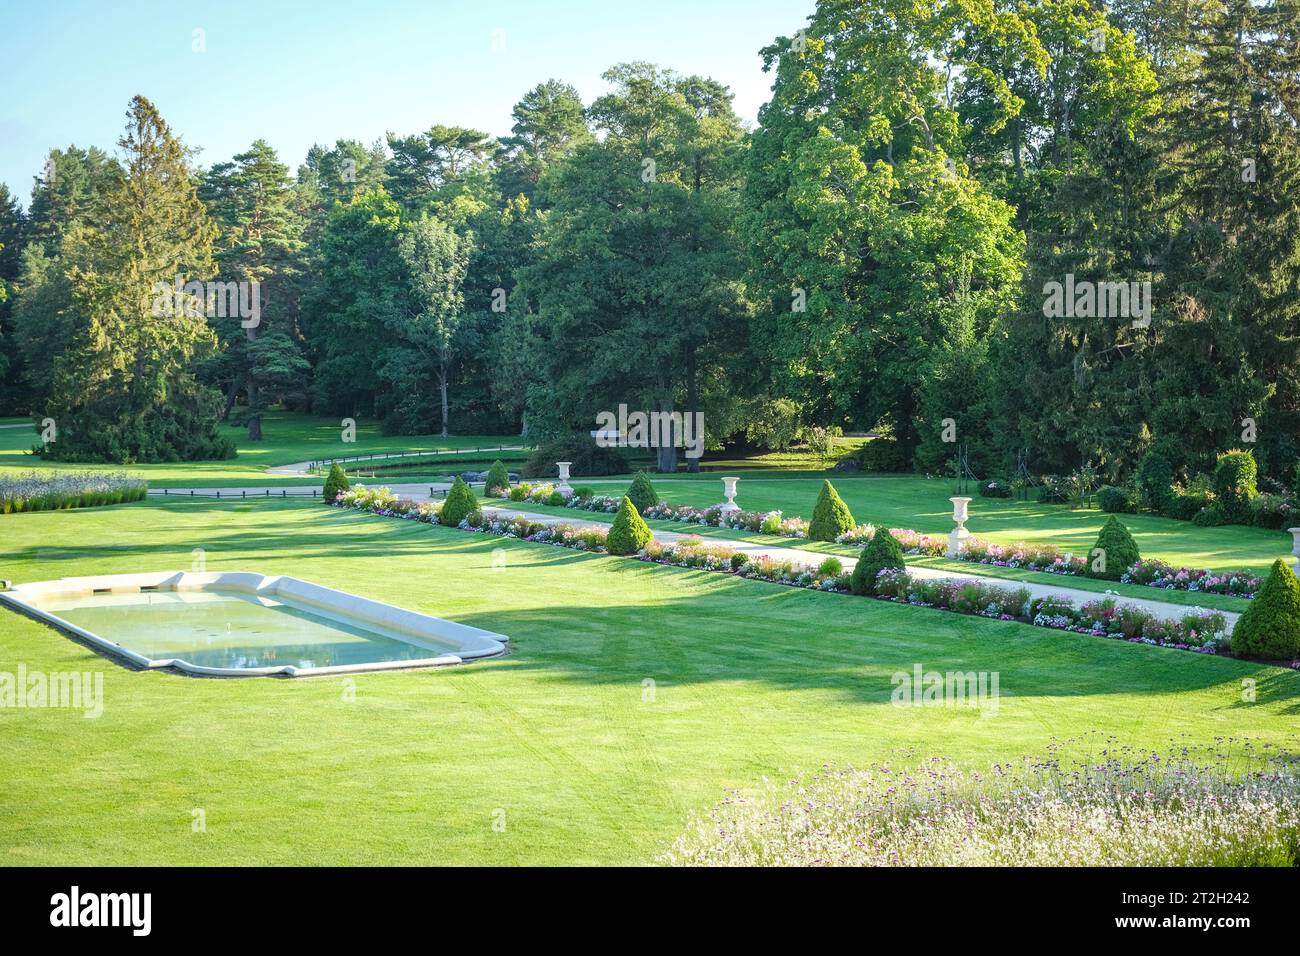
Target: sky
[[296, 73]]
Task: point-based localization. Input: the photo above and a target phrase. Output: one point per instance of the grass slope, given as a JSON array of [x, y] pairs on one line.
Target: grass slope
[[562, 740]]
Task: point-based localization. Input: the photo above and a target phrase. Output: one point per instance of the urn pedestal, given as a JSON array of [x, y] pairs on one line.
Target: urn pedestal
[[958, 535]]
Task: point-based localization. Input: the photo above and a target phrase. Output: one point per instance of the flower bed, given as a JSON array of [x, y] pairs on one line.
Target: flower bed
[[48, 491], [1201, 631]]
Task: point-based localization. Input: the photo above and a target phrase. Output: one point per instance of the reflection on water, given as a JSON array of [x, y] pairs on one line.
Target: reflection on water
[[230, 629]]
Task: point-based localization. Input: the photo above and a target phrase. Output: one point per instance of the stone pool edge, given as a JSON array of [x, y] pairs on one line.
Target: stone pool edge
[[420, 628]]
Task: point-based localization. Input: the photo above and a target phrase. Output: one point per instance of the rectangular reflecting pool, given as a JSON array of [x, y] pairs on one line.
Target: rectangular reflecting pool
[[239, 623]]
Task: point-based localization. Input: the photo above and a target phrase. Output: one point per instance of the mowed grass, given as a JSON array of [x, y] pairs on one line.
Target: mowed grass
[[634, 695], [922, 504], [288, 437]]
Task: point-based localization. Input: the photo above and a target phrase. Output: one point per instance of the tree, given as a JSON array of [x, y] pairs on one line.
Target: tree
[[549, 123], [650, 205], [13, 230], [336, 482], [831, 517], [497, 482], [431, 330], [882, 551], [870, 241], [123, 386], [1114, 553], [1270, 627], [629, 533], [261, 242], [642, 494], [460, 504]]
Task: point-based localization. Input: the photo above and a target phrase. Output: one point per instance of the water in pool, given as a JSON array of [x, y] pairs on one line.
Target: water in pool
[[231, 629]]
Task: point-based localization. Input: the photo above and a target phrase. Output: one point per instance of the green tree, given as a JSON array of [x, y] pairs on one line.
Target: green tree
[[459, 504], [882, 551], [642, 494], [123, 385], [1270, 627], [336, 482], [629, 533], [260, 242], [831, 516], [1114, 553]]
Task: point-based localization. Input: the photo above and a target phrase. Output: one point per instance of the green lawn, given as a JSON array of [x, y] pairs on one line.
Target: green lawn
[[287, 438], [562, 741]]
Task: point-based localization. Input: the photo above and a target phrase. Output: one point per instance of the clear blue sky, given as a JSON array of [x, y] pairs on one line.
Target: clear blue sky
[[297, 73]]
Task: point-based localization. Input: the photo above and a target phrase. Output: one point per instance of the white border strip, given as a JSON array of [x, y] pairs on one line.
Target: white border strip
[[418, 629]]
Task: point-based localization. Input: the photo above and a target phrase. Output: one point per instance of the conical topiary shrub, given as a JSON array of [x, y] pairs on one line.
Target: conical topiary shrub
[[642, 492], [336, 482], [497, 482], [1113, 554], [629, 533], [831, 518], [1270, 627], [459, 505], [882, 551]]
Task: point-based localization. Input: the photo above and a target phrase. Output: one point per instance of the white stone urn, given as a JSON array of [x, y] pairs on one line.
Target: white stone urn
[[958, 535], [563, 487], [729, 489], [1295, 543]]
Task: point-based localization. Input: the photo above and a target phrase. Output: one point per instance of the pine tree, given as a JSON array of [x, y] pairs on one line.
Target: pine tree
[[831, 517], [124, 384], [459, 504], [251, 199], [882, 551], [1114, 553], [629, 533], [497, 482], [336, 482], [1270, 627], [642, 494]]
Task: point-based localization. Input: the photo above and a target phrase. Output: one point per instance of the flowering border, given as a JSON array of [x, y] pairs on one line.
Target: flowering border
[[1198, 631]]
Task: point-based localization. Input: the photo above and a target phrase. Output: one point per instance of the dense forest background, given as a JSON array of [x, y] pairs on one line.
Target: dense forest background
[[873, 255]]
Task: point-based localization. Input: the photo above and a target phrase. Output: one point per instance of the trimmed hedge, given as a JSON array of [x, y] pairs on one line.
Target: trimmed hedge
[[882, 551], [629, 533], [1270, 627], [1119, 552], [335, 484], [642, 493], [831, 518], [497, 482], [460, 504]]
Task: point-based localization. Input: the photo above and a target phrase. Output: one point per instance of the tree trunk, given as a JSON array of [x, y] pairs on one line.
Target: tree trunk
[[232, 393], [254, 414], [692, 404], [442, 388]]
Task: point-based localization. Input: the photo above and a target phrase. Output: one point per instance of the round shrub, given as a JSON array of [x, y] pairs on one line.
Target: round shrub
[[1116, 500], [642, 493], [336, 482], [460, 504], [882, 551], [831, 567], [1118, 552], [995, 488], [556, 499], [1270, 628], [584, 493], [831, 518], [629, 533], [497, 482]]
